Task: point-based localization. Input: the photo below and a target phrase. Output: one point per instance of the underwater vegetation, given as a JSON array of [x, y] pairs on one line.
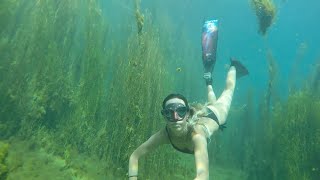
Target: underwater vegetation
[[273, 75], [289, 131], [296, 136], [290, 136], [7, 10], [315, 80], [279, 139], [71, 89], [266, 12], [294, 82], [3, 154], [139, 16]]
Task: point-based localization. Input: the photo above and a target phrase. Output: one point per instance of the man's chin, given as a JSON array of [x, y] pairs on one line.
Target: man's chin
[[176, 127]]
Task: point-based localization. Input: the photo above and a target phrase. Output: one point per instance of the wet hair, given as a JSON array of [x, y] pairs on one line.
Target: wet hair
[[171, 96]]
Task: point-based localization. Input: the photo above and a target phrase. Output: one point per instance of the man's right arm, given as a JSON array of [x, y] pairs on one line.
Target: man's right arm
[[152, 143]]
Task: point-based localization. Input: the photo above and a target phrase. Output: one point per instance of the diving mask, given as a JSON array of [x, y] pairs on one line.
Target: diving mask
[[169, 111]]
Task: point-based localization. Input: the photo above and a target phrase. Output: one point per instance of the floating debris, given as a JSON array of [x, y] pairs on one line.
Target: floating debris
[[265, 11]]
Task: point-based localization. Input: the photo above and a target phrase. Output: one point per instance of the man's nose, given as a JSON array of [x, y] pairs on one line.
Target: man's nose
[[176, 116]]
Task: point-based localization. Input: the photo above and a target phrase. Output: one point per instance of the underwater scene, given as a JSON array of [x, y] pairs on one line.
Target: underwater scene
[[82, 84]]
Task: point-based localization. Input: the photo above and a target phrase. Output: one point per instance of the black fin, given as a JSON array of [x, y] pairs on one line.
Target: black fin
[[241, 69]]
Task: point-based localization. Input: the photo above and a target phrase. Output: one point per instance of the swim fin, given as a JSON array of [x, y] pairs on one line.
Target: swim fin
[[209, 40], [241, 69]]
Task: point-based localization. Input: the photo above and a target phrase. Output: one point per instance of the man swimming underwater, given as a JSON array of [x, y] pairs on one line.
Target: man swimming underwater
[[188, 127]]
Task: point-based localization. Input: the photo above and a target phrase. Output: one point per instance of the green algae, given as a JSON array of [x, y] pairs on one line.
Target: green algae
[[4, 147], [87, 101], [266, 12], [59, 94]]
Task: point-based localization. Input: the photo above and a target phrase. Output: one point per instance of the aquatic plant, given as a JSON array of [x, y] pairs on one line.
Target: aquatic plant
[[139, 16], [315, 79], [62, 93], [273, 73], [142, 78], [8, 10], [3, 154], [265, 11], [290, 140], [296, 82], [289, 132], [292, 135], [37, 90]]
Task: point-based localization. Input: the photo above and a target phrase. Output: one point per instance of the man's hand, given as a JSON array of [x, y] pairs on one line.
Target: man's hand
[[133, 178]]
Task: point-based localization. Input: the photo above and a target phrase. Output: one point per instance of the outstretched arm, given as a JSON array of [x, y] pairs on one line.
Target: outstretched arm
[[152, 143], [201, 154]]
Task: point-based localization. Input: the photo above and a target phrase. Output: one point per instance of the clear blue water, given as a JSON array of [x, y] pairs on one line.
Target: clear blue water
[[295, 24]]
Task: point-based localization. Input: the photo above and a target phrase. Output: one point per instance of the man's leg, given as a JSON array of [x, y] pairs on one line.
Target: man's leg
[[222, 105], [211, 96]]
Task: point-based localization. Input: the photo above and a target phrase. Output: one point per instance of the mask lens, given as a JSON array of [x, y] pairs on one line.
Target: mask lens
[[182, 111], [168, 113]]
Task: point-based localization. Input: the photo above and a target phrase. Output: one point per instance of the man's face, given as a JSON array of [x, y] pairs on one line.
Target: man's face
[[176, 113]]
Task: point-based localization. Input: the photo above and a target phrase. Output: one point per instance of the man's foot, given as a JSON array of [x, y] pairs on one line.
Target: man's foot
[[207, 76], [241, 69]]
